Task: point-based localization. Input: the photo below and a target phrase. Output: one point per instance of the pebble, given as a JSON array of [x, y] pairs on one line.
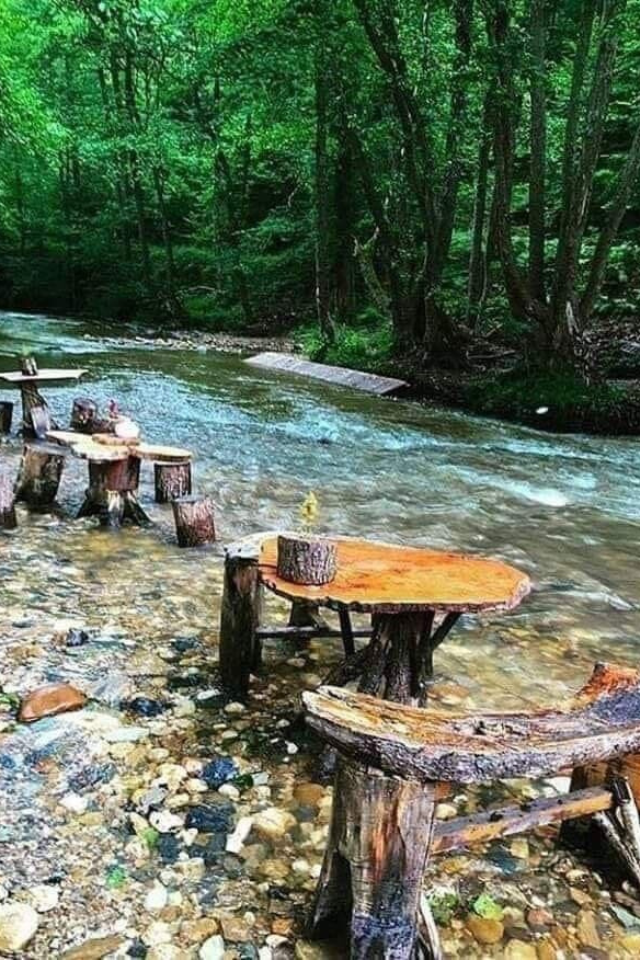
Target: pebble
[[587, 930], [235, 929], [44, 897], [74, 803], [237, 839], [273, 823], [485, 930], [18, 926], [519, 950], [93, 949], [158, 933], [156, 899], [212, 949], [166, 822]]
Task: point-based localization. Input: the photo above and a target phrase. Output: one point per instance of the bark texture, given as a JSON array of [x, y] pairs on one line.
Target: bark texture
[[172, 481], [307, 561], [40, 473], [8, 519], [195, 521], [6, 416], [240, 645]]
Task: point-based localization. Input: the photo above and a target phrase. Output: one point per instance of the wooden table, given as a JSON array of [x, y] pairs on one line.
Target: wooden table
[[415, 597], [114, 473], [36, 419]]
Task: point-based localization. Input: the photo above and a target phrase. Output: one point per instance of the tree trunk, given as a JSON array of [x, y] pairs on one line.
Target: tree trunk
[[306, 560], [322, 191], [538, 146], [240, 648], [40, 473], [195, 521], [172, 481]]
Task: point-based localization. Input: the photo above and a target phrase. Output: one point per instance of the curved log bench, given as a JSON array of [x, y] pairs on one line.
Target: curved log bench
[[397, 761]]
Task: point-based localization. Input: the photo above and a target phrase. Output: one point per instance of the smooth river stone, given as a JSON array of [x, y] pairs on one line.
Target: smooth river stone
[[49, 700]]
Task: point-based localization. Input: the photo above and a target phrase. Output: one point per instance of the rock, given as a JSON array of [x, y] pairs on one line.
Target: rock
[[446, 811], [50, 700], [273, 823], [18, 925], [167, 951], [76, 638], [228, 790], [581, 897], [212, 949], [168, 847], [211, 818], [520, 848], [166, 822], [157, 934], [74, 802], [485, 930], [156, 899], [126, 734], [539, 918], [44, 897], [519, 950], [196, 931], [236, 840], [93, 949], [587, 930], [144, 707], [318, 950], [547, 951], [631, 943], [235, 929], [308, 794]]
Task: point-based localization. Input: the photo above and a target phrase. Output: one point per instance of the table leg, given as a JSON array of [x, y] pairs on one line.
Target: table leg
[[347, 632], [112, 493]]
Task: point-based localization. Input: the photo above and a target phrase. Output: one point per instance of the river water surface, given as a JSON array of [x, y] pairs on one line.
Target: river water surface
[[566, 509]]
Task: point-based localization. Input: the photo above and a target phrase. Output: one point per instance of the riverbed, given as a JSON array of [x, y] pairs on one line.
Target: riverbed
[[564, 509]]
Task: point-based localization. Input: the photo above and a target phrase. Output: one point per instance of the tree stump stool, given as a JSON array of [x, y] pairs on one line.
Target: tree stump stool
[[396, 761], [6, 416], [112, 494], [40, 472], [84, 413], [8, 520], [172, 480], [195, 521]]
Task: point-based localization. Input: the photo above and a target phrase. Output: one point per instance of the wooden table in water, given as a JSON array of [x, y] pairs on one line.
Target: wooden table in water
[[415, 597]]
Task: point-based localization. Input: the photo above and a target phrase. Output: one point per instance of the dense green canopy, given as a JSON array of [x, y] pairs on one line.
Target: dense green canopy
[[431, 170]]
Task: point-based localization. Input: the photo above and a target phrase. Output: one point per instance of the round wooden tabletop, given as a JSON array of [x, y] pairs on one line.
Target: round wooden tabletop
[[387, 578]]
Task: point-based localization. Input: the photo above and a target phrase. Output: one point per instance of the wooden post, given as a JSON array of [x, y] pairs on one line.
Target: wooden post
[[172, 481], [39, 476], [376, 856], [112, 493], [195, 521], [8, 520], [6, 416], [240, 615]]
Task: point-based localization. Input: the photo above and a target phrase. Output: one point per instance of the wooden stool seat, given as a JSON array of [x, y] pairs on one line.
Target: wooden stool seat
[[601, 721], [396, 761]]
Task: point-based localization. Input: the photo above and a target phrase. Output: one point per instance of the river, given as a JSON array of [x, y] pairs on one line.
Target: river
[[566, 509]]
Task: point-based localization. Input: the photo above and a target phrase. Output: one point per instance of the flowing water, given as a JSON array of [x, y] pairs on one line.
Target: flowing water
[[566, 509]]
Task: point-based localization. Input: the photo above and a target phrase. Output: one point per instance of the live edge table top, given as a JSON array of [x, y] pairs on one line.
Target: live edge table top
[[386, 578]]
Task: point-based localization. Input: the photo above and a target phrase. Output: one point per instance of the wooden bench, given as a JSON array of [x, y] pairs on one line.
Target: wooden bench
[[397, 761]]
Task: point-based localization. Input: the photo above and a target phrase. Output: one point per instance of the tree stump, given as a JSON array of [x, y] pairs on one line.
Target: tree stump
[[29, 367], [84, 413], [195, 521], [8, 520], [112, 493], [373, 868], [172, 480], [240, 616], [306, 560], [40, 473], [6, 416]]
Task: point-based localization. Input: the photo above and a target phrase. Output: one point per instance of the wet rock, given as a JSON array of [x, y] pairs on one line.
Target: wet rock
[[318, 950], [50, 700], [212, 949], [197, 931], [309, 794], [93, 949], [235, 929], [485, 930], [587, 930], [211, 818], [18, 925], [547, 951], [138, 950], [519, 950], [237, 839], [76, 638], [44, 897], [168, 847], [219, 771], [273, 823], [166, 822], [156, 899], [144, 707]]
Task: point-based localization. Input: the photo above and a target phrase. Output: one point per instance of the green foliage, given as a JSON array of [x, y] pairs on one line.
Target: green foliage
[[116, 877], [486, 907], [367, 346], [444, 907]]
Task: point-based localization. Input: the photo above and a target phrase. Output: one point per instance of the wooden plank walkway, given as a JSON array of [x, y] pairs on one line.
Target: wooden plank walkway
[[341, 376]]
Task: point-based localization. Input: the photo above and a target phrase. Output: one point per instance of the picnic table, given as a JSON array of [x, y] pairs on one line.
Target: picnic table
[[36, 417], [114, 472], [415, 597]]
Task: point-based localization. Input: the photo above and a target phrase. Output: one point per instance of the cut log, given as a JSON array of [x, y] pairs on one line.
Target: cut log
[[371, 878], [310, 561], [601, 722], [195, 521], [84, 414], [6, 416], [29, 367], [240, 644], [112, 493], [8, 520], [40, 473], [172, 481]]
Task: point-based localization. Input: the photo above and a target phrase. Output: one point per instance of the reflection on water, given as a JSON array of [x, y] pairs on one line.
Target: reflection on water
[[566, 509]]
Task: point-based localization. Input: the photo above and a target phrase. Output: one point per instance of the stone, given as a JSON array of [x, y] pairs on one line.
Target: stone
[[308, 794], [587, 931], [74, 803], [157, 934], [520, 848], [236, 840], [44, 897], [581, 897], [94, 949], [218, 771], [485, 930], [631, 943], [519, 950], [538, 917], [18, 925], [166, 822], [446, 811], [546, 951], [211, 818], [196, 931], [318, 950], [273, 823], [50, 700], [156, 899], [235, 929], [212, 949]]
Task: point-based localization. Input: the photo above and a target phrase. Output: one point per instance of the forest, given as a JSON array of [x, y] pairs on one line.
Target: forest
[[444, 178]]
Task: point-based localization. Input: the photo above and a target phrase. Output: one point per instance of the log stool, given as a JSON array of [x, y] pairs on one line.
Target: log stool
[[396, 761], [172, 480], [195, 521], [8, 519], [40, 472], [112, 494], [6, 416]]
